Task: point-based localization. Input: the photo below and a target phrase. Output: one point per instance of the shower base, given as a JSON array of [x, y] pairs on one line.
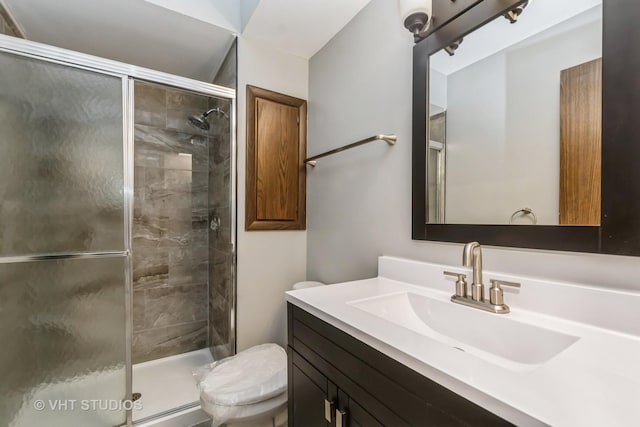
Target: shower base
[[167, 384]]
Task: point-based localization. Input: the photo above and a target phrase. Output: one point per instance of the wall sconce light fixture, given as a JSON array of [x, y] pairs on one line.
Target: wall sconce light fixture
[[451, 49], [515, 13], [416, 16]]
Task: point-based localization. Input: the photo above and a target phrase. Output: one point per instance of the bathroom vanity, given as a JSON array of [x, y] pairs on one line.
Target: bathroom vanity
[[339, 380], [395, 350]]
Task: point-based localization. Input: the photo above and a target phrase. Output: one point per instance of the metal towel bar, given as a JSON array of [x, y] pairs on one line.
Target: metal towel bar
[[525, 211], [389, 139]]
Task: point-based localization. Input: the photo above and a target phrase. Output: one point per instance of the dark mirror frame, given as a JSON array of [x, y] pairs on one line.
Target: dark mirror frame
[[619, 232]]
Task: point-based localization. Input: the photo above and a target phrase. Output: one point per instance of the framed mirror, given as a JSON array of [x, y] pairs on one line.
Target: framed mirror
[[518, 137]]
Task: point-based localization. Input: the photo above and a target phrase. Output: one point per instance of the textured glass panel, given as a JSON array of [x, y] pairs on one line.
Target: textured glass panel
[[61, 166], [62, 329]]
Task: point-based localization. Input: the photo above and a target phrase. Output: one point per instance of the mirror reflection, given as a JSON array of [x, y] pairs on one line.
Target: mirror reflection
[[515, 120]]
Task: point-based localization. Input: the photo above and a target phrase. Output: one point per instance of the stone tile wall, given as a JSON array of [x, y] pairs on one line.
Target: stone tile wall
[[221, 293], [182, 271], [221, 274], [170, 229]]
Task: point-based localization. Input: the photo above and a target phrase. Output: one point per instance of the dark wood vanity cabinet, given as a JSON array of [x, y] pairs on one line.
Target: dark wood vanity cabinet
[[334, 377], [317, 400]]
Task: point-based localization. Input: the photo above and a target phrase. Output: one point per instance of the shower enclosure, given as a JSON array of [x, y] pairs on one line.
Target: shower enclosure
[[117, 231]]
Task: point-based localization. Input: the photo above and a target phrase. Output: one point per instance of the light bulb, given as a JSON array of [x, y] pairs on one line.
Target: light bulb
[[415, 14]]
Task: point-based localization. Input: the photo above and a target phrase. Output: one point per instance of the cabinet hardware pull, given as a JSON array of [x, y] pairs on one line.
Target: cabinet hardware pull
[[341, 418], [328, 410]]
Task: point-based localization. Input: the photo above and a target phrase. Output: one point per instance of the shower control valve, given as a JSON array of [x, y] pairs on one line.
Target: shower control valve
[[216, 224]]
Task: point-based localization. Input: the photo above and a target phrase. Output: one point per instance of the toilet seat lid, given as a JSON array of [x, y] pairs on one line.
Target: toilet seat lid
[[244, 413], [253, 375], [307, 284]]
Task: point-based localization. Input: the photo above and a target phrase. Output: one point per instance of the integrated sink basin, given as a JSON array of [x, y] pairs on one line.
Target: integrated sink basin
[[496, 338], [566, 354]]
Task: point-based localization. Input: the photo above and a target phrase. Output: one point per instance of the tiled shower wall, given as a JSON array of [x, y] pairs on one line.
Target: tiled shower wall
[[221, 288], [175, 166], [220, 274]]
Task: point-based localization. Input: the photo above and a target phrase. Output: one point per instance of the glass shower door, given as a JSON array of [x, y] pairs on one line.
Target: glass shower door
[[63, 258]]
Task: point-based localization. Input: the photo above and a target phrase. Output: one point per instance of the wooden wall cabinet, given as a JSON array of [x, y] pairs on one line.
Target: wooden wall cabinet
[[276, 150], [336, 380], [581, 144]]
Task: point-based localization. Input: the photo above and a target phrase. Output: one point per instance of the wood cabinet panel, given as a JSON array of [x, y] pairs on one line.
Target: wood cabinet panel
[[276, 149], [308, 391], [356, 416], [581, 144], [308, 396], [277, 176]]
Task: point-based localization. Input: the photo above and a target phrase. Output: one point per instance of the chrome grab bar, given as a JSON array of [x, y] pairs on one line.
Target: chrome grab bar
[[389, 139]]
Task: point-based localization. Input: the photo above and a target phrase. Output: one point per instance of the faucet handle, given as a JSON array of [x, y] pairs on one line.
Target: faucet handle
[[460, 276], [461, 283], [498, 283], [496, 295]]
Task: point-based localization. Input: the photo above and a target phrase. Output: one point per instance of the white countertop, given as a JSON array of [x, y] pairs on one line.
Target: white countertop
[[593, 382]]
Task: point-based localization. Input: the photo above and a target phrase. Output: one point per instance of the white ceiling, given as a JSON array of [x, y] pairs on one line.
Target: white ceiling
[[185, 37], [232, 15], [301, 27], [539, 16], [131, 31]]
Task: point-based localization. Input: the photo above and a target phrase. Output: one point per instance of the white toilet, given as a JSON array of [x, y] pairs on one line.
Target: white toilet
[[308, 284], [250, 388]]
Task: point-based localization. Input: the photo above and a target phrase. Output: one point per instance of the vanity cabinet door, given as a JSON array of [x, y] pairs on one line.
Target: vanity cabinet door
[[354, 414], [316, 401], [308, 390]]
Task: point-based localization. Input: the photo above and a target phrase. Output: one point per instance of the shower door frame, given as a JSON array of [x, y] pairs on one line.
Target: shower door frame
[[129, 73]]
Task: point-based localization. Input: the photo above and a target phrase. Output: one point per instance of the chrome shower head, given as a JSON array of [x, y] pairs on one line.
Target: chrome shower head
[[201, 121], [219, 112]]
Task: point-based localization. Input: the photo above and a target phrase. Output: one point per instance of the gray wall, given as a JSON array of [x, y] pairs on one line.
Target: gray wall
[[8, 25], [437, 89], [227, 74], [359, 201], [269, 262], [503, 120]]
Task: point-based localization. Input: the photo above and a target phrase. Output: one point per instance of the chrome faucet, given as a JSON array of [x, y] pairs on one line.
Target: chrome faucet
[[472, 257]]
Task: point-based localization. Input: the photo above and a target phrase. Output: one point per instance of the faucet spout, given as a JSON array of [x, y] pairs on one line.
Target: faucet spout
[[472, 257], [467, 253]]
